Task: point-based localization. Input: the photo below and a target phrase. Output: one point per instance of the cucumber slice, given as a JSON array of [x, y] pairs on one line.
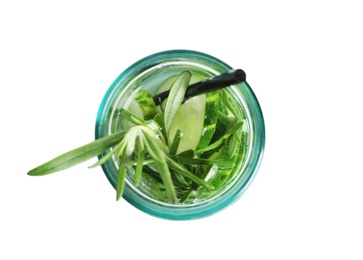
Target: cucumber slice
[[210, 119], [189, 119]]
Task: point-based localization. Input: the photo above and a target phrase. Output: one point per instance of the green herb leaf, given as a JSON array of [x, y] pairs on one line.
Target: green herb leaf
[[237, 126], [158, 120], [179, 168], [244, 146], [203, 161], [181, 179], [140, 160], [105, 158], [132, 117], [233, 143], [120, 185], [176, 97], [204, 172], [176, 142], [229, 102], [226, 120], [78, 155], [158, 155]]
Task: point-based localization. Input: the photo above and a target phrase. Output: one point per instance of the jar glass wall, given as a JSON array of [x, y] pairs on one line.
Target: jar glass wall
[[149, 73]]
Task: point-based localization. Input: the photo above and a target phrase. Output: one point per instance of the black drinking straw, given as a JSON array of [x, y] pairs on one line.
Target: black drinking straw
[[201, 87]]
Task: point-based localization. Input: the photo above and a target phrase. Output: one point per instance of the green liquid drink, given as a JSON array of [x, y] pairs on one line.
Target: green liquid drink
[[217, 137]]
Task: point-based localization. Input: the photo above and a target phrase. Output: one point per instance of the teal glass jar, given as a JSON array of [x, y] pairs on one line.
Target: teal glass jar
[[148, 73]]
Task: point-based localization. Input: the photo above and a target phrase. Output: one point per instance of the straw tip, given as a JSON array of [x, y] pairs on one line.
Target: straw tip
[[240, 75]]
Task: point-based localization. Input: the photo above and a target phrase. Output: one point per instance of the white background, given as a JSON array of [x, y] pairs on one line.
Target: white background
[[304, 61]]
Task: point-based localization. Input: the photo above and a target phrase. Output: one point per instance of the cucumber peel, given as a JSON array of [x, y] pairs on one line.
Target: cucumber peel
[[146, 104]]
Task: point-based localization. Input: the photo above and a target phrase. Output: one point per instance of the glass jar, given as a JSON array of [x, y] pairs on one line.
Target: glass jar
[[149, 73]]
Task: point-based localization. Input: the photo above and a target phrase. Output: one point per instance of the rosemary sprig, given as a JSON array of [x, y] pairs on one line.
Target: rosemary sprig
[[78, 155], [144, 147]]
